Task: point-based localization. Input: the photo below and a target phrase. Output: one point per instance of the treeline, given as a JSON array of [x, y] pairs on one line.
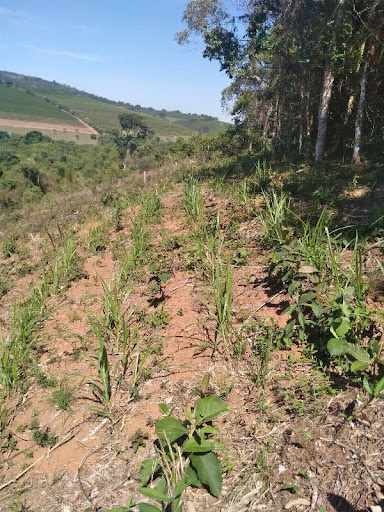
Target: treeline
[[307, 76]]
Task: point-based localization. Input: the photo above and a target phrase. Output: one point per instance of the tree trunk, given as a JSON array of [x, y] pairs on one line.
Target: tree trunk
[[325, 100], [360, 109], [326, 90], [276, 127]]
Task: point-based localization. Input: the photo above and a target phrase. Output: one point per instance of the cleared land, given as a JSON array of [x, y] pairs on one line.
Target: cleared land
[[55, 132]]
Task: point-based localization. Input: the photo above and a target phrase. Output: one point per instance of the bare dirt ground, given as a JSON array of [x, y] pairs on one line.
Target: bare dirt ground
[[289, 444], [35, 125]]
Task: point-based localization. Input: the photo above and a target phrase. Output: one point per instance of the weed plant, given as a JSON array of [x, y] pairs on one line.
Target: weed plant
[[63, 396]]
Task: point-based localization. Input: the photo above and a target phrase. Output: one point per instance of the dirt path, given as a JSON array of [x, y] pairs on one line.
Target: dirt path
[[35, 125]]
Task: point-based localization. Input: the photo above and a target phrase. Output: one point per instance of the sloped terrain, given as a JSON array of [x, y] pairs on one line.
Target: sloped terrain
[[296, 437]]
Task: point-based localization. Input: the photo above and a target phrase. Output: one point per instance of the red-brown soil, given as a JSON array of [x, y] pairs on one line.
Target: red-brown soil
[[333, 456]]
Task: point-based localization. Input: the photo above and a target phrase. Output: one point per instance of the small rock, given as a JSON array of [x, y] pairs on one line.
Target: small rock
[[376, 508]]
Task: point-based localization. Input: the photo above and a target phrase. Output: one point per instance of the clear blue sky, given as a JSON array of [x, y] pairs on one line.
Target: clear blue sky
[[121, 49]]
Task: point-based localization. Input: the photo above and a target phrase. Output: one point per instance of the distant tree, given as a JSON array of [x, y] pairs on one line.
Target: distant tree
[[33, 137], [133, 123], [33, 174]]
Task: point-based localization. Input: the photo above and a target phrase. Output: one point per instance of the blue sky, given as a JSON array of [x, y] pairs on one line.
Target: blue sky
[[123, 50]]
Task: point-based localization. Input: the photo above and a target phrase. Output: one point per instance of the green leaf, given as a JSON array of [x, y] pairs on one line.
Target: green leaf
[[359, 366], [148, 468], [292, 287], [307, 296], [343, 328], [180, 487], [367, 386], [146, 507], [289, 327], [208, 429], [301, 318], [291, 488], [358, 353], [169, 429], [164, 276], [209, 408], [197, 445], [317, 309], [345, 309], [336, 347], [208, 470], [379, 387], [162, 485], [192, 477], [154, 494], [164, 408]]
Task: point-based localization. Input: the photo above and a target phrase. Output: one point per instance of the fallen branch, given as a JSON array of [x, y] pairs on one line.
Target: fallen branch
[[268, 301], [67, 438]]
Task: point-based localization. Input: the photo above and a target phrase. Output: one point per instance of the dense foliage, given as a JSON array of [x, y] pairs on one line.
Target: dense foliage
[[306, 75]]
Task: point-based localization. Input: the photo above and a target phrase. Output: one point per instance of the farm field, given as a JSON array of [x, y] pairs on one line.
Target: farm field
[[105, 117], [17, 104]]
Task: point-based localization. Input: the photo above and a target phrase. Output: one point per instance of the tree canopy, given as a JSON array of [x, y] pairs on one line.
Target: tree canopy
[[306, 75]]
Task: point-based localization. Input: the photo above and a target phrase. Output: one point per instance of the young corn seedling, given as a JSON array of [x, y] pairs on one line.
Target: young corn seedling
[[101, 387], [193, 200], [222, 290], [275, 217], [150, 207]]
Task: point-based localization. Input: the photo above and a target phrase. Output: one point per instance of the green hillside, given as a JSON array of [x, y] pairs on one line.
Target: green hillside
[[105, 117], [18, 104], [101, 112]]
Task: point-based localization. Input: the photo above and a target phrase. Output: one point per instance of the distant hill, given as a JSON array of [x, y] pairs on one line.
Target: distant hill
[[102, 113], [19, 104]]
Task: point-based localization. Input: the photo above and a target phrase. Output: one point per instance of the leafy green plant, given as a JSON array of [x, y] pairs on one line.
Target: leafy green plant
[[262, 174], [185, 455], [160, 318], [42, 437], [262, 339], [5, 285], [140, 242], [17, 344], [374, 387]]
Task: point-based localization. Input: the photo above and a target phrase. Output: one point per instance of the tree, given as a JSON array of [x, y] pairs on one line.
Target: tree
[[133, 123], [296, 69]]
